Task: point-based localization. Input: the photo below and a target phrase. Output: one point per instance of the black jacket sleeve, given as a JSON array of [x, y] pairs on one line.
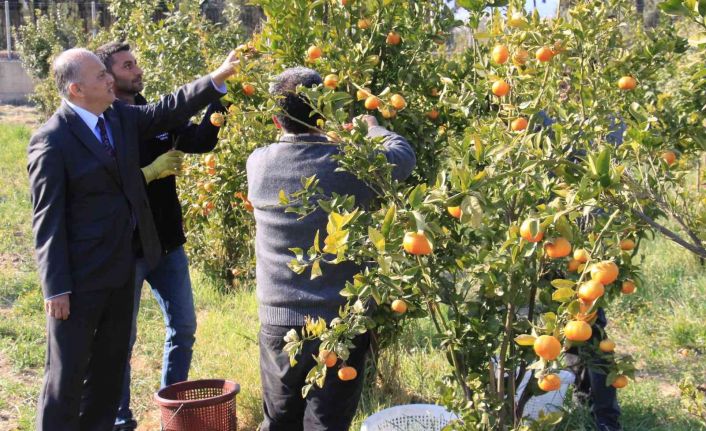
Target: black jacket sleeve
[[199, 138]]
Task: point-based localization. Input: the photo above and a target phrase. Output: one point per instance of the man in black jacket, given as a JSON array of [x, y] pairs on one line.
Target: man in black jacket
[[91, 221], [169, 280]]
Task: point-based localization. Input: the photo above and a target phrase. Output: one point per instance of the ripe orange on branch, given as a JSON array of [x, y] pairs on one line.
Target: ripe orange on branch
[[577, 330], [363, 24], [557, 248], [591, 290], [605, 272], [547, 347], [607, 346], [399, 306], [454, 211], [628, 287], [331, 81], [416, 243], [627, 244], [248, 89], [347, 373], [398, 102], [372, 102], [330, 358], [627, 83], [669, 157], [526, 232], [620, 382], [549, 382], [581, 255], [500, 88], [544, 54], [313, 53], [500, 54], [393, 38], [217, 119], [518, 124]]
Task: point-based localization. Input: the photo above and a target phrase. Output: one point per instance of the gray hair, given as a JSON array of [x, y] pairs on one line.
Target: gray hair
[[67, 68]]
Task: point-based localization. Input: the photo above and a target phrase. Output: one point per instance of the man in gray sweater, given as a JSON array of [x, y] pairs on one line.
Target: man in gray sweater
[[284, 297]]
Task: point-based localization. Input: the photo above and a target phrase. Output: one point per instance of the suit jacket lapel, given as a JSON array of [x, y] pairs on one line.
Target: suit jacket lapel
[[121, 151], [88, 139]]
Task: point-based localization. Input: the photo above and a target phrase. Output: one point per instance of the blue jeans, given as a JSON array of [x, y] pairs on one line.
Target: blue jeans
[[171, 286]]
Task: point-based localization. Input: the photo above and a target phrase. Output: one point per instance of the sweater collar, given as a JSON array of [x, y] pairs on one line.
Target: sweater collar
[[302, 138]]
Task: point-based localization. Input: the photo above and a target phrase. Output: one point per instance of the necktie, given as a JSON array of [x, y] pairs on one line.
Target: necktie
[[104, 138]]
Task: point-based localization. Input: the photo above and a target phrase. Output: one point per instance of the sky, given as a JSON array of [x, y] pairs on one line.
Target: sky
[[546, 8]]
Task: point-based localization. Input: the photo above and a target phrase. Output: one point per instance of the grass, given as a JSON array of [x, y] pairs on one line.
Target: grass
[[661, 326]]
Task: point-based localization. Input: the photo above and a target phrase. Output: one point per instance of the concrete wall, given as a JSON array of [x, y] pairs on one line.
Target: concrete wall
[[15, 84]]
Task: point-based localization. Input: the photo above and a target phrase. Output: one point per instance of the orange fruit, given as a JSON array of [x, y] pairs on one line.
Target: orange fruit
[[398, 102], [388, 113], [526, 232], [399, 306], [549, 382], [669, 157], [591, 290], [620, 382], [547, 347], [362, 94], [210, 160], [363, 24], [211, 171], [518, 124], [416, 243], [433, 114], [577, 330], [500, 54], [500, 88], [627, 83], [628, 287], [347, 373], [248, 89], [331, 81], [434, 92], [544, 54], [329, 357], [607, 345], [520, 57], [627, 244], [604, 272], [313, 52], [217, 119], [573, 265], [557, 248], [581, 255], [372, 102], [393, 38], [454, 211]]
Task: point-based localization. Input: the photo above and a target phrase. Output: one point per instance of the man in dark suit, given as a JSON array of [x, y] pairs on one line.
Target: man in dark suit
[[91, 221]]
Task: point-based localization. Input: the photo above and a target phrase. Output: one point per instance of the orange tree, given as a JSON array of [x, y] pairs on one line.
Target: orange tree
[[514, 229]]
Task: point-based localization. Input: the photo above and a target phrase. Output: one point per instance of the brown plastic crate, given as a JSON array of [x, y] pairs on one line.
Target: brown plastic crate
[[199, 405]]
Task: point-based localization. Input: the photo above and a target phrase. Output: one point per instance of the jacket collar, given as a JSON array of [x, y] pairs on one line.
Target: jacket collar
[[303, 138]]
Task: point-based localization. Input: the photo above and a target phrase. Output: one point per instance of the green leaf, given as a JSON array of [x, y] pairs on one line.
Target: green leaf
[[564, 294], [377, 239], [283, 199], [416, 196], [316, 269], [674, 7], [560, 283], [471, 211], [390, 217]]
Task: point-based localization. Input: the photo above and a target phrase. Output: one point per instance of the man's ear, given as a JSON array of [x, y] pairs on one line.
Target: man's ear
[[276, 121], [75, 89]]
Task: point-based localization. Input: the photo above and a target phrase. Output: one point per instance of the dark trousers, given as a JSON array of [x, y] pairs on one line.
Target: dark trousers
[[591, 386], [85, 361], [329, 408]]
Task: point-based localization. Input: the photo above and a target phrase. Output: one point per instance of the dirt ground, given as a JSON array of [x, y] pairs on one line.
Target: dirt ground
[[18, 115]]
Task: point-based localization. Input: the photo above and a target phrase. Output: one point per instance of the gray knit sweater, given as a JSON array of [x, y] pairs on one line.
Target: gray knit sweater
[[285, 297]]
